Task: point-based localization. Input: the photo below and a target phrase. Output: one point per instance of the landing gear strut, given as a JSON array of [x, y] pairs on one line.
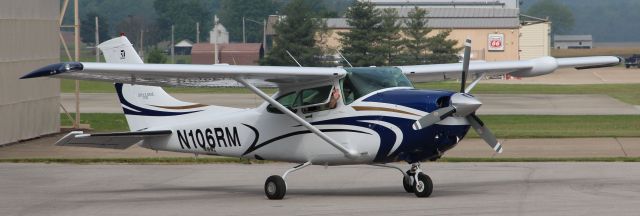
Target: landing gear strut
[[414, 180], [276, 187]]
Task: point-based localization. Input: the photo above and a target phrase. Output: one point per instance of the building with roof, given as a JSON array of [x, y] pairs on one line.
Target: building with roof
[[28, 108], [229, 53], [535, 37], [573, 41], [493, 26], [183, 47]]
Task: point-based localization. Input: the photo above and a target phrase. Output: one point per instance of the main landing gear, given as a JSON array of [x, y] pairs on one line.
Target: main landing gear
[[275, 187], [414, 180]]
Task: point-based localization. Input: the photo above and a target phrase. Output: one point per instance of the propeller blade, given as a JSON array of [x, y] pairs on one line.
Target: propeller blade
[[465, 64], [484, 132], [433, 117]]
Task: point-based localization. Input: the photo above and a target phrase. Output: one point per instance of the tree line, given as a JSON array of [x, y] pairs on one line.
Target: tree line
[[374, 39]]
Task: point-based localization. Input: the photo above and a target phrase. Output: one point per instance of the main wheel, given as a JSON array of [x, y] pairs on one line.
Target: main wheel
[[275, 187], [407, 182], [423, 186]]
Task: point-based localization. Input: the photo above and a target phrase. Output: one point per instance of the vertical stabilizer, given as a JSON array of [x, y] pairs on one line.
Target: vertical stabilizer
[[144, 106]]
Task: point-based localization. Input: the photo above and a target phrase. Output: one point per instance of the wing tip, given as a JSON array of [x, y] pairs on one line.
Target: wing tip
[[54, 69]]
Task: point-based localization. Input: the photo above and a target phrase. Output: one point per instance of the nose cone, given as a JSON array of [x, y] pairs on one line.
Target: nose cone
[[465, 104]]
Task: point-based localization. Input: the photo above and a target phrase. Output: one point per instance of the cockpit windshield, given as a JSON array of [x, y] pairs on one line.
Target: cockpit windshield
[[362, 81]]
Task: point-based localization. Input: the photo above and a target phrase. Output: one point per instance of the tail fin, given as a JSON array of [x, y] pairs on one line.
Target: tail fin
[[144, 106]]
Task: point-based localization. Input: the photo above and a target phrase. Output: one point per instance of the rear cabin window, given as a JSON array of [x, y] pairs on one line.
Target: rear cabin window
[[316, 95]]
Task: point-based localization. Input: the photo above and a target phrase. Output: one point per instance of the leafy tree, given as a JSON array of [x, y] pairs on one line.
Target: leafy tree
[[132, 27], [156, 56], [417, 42], [88, 23], [183, 14], [232, 11], [296, 33], [561, 17], [443, 50], [360, 45], [391, 42]]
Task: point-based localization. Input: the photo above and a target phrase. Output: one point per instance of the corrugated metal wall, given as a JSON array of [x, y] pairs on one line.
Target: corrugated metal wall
[[28, 40], [534, 41]]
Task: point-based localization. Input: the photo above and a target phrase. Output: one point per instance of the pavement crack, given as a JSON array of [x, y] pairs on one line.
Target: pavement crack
[[621, 146]]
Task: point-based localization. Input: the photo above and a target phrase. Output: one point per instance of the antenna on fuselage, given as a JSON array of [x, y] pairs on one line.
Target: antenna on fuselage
[[345, 59], [294, 59]]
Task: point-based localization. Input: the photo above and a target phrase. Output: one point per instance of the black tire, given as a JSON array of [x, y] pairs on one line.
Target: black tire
[[406, 182], [275, 188], [424, 186], [628, 66]]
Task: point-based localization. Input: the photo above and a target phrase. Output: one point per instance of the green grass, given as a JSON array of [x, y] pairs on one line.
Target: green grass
[[628, 93], [226, 160], [100, 122], [504, 126], [522, 126], [153, 160], [592, 159]]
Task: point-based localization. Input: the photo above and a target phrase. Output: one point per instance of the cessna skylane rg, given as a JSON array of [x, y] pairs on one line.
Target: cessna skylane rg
[[320, 115]]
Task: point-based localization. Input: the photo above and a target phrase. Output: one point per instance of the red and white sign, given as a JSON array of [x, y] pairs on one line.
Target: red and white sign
[[496, 42]]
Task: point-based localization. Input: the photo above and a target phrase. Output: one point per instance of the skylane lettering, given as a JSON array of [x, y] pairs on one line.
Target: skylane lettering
[[208, 138]]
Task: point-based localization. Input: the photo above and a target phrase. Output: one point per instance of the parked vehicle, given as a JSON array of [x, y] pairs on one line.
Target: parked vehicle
[[633, 61]]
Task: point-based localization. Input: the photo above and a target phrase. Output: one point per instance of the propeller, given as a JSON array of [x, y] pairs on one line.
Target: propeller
[[464, 105]]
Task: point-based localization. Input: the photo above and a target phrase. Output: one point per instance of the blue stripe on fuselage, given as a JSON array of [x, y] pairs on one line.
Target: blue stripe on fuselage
[[424, 100]]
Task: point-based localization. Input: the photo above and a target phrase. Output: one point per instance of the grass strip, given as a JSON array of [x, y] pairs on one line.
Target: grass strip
[[227, 160], [628, 93], [503, 126], [152, 160], [578, 159]]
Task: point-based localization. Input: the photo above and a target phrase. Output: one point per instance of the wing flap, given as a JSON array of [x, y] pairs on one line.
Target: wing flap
[[108, 140]]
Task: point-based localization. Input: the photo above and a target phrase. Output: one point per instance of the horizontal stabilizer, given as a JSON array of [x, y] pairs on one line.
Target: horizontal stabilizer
[[108, 140]]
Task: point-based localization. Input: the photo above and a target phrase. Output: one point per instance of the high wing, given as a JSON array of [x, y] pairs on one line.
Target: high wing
[[525, 68], [108, 140], [188, 75]]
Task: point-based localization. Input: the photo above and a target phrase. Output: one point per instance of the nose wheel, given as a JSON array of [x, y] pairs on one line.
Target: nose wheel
[[414, 180], [417, 182]]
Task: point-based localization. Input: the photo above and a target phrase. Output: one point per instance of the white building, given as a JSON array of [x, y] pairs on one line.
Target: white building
[[219, 34], [573, 41]]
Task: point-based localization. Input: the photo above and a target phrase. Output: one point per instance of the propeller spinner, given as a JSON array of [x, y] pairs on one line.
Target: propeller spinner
[[464, 105]]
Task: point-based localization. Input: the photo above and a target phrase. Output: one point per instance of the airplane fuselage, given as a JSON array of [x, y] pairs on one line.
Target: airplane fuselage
[[377, 126]]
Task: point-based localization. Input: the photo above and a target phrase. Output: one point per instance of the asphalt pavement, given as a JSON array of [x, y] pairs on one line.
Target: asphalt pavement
[[235, 189]]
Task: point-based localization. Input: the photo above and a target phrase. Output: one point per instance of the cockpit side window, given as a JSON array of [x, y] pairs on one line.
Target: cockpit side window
[[286, 100]]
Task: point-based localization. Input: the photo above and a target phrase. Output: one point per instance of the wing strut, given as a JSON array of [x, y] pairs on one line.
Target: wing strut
[[347, 152]]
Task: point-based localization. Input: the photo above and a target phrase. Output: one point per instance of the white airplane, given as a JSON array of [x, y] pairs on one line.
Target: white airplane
[[320, 116]]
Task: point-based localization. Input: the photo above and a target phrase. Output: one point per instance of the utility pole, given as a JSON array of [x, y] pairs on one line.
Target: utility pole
[[198, 32], [244, 36], [142, 44], [264, 35], [173, 56], [97, 40], [76, 27]]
